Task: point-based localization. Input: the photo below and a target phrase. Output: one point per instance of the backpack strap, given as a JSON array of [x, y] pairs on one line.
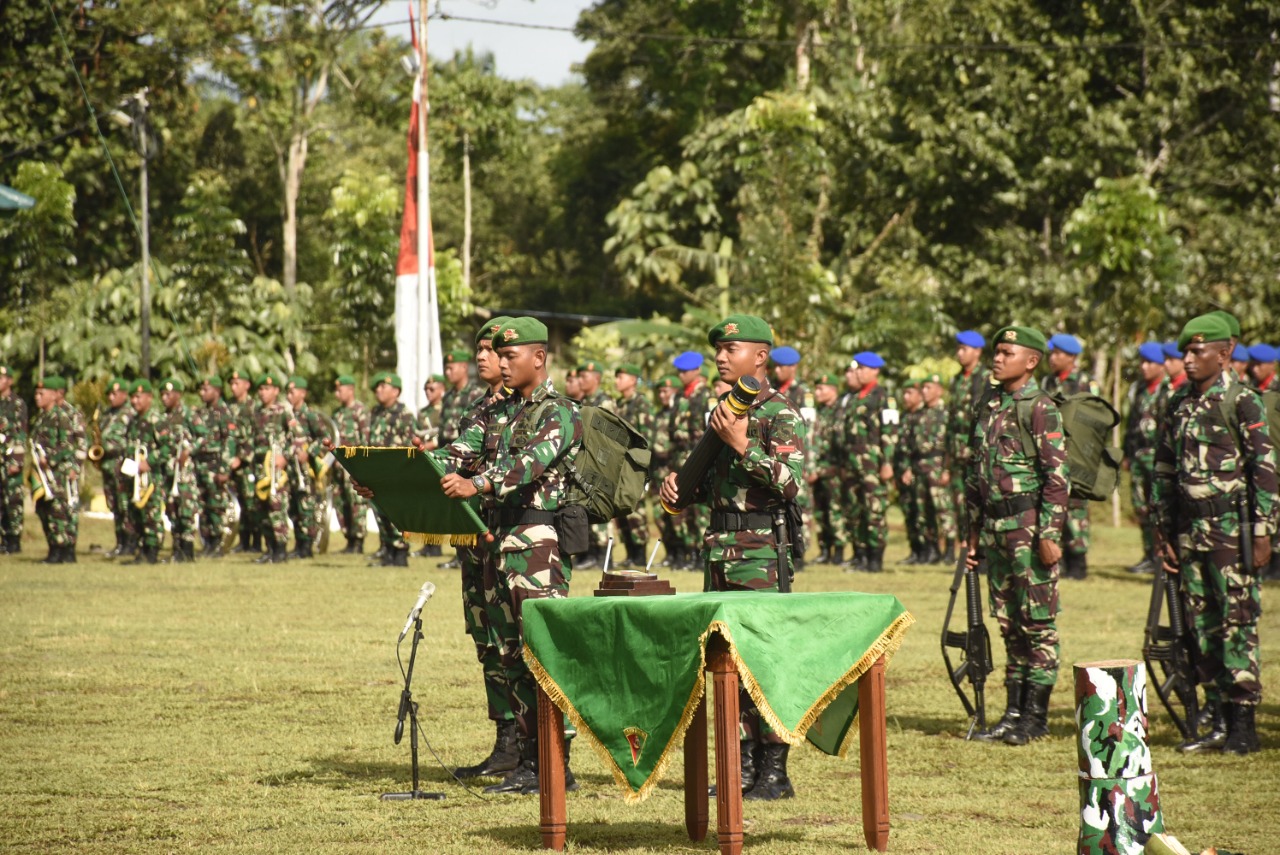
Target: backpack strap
[[1228, 406], [1025, 406]]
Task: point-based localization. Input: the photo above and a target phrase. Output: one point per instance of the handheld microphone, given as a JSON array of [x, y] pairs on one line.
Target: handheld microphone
[[428, 589]]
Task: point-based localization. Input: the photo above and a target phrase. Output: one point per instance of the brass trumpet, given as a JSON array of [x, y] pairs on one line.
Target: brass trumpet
[[96, 452]]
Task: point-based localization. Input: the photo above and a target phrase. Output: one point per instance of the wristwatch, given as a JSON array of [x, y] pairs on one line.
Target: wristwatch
[[480, 483]]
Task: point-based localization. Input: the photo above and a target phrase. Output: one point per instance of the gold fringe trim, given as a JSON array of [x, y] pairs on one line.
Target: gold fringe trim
[[422, 539], [353, 450]]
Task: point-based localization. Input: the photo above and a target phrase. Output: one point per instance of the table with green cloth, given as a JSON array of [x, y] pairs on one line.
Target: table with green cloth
[[628, 671]]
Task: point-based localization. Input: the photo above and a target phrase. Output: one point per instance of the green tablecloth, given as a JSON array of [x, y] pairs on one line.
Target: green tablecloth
[[627, 671]]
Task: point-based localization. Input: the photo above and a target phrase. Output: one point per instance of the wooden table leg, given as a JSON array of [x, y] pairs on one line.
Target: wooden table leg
[[551, 773], [875, 758], [695, 773], [728, 752]]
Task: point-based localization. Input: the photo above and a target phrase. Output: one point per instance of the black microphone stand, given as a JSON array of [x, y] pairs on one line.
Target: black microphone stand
[[409, 707]]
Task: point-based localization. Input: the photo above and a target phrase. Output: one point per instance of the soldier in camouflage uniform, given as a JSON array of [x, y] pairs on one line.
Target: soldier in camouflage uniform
[[1147, 400], [390, 426], [934, 471], [967, 389], [757, 474], [352, 422], [113, 428], [429, 417], [59, 448], [909, 484], [1017, 499], [1214, 497], [521, 487], [211, 428], [460, 396], [589, 375], [1066, 379], [181, 493], [243, 478], [1240, 364], [277, 442], [149, 444], [870, 434], [822, 473], [636, 409], [305, 502], [671, 411], [13, 450], [698, 402]]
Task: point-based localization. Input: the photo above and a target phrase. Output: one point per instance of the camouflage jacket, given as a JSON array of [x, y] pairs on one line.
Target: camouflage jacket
[[868, 439], [908, 436], [1201, 461], [13, 428], [771, 471], [427, 424], [59, 431], [1269, 384], [274, 427], [693, 422], [352, 423], [931, 436], [599, 399], [113, 425], [481, 429], [1071, 383], [823, 439], [314, 426], [241, 430], [1001, 470], [523, 466], [391, 427], [212, 444], [1146, 407], [639, 411], [181, 436], [794, 393], [150, 432], [962, 402], [456, 404], [667, 426]]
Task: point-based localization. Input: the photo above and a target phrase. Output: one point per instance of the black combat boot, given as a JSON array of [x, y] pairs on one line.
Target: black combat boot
[[772, 782], [1272, 570], [356, 546], [749, 754], [147, 555], [1212, 727], [14, 543], [255, 541], [69, 553], [452, 563], [243, 546], [1075, 566], [54, 556], [400, 557], [1242, 735], [875, 560], [589, 560], [523, 779], [1035, 716], [424, 552], [949, 557], [824, 554], [1016, 691], [931, 554], [267, 556], [502, 759]]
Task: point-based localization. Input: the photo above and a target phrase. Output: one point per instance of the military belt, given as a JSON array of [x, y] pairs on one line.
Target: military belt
[[1013, 506], [740, 520], [507, 517], [1212, 506]]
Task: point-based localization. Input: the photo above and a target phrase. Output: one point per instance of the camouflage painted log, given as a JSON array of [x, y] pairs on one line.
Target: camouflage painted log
[[1119, 802]]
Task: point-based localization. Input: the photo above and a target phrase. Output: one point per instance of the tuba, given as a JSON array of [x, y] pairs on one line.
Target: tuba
[[96, 451]]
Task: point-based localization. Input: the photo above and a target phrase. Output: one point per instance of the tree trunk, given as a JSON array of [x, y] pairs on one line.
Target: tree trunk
[[296, 162], [466, 213]]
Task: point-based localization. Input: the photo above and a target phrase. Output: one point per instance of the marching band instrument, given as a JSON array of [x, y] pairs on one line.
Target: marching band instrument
[[44, 490], [96, 451]]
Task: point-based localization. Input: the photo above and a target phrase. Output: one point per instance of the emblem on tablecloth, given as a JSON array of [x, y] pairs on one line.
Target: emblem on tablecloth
[[636, 739]]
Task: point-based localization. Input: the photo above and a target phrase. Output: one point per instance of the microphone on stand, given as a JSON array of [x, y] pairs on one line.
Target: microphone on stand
[[428, 589]]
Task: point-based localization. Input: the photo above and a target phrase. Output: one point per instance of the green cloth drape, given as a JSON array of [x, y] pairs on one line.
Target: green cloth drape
[[406, 487]]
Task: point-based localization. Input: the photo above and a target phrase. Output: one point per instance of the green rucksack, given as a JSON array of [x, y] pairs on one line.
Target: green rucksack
[[1093, 466], [1270, 406]]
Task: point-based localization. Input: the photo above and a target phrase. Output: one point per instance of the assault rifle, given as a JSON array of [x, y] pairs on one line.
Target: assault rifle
[[974, 645], [1169, 652]]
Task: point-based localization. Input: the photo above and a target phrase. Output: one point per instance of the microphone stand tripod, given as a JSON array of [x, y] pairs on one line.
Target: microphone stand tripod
[[409, 707]]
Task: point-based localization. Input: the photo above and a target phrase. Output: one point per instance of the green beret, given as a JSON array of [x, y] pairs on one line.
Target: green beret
[[271, 378], [173, 384], [629, 368], [298, 382], [435, 378], [1024, 336], [1232, 323], [240, 374], [741, 328], [388, 378], [344, 380], [487, 331], [457, 356], [826, 380], [4, 371], [590, 365], [141, 386], [55, 383], [214, 380], [670, 382], [1203, 328], [118, 384], [523, 330], [931, 378]]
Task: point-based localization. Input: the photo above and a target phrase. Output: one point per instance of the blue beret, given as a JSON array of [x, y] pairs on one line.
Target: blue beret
[[784, 355], [971, 338], [1151, 351], [1263, 353], [1171, 350], [1065, 343], [688, 361], [869, 359], [1240, 354]]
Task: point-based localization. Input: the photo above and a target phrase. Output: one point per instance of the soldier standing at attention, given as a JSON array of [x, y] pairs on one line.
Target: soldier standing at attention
[[1174, 368], [698, 405], [1018, 505], [148, 441], [870, 433], [591, 395], [179, 481], [1066, 379], [59, 449], [822, 473], [1262, 366], [967, 389], [935, 473], [243, 478], [757, 474], [636, 409], [786, 362], [352, 421], [304, 488], [909, 483], [1147, 400], [1215, 502], [13, 452], [113, 427], [459, 397], [391, 426], [521, 486], [428, 423], [1240, 364], [276, 435], [667, 422], [211, 427]]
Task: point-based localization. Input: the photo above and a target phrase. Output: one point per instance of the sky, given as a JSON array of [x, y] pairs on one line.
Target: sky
[[542, 55]]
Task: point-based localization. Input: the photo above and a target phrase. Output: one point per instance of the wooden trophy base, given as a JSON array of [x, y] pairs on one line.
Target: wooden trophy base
[[632, 583]]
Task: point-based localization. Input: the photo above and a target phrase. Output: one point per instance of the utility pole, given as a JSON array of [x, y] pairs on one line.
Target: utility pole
[[144, 312]]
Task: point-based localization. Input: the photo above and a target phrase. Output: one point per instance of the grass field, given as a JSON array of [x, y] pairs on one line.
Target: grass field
[[224, 706]]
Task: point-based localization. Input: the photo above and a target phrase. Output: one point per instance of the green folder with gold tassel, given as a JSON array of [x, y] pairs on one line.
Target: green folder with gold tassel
[[406, 488]]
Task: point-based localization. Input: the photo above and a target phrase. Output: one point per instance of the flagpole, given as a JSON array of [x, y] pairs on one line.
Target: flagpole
[[430, 359]]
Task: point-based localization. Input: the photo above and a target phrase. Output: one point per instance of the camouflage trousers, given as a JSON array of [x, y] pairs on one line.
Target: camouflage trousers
[[1075, 535], [696, 519], [872, 497], [213, 499], [828, 514], [352, 509], [633, 531], [482, 614], [271, 515], [909, 499], [183, 507], [113, 490], [147, 521], [958, 501], [56, 519], [304, 511], [1024, 601], [936, 504], [388, 535], [242, 483], [11, 508], [1141, 477], [528, 567], [1223, 607]]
